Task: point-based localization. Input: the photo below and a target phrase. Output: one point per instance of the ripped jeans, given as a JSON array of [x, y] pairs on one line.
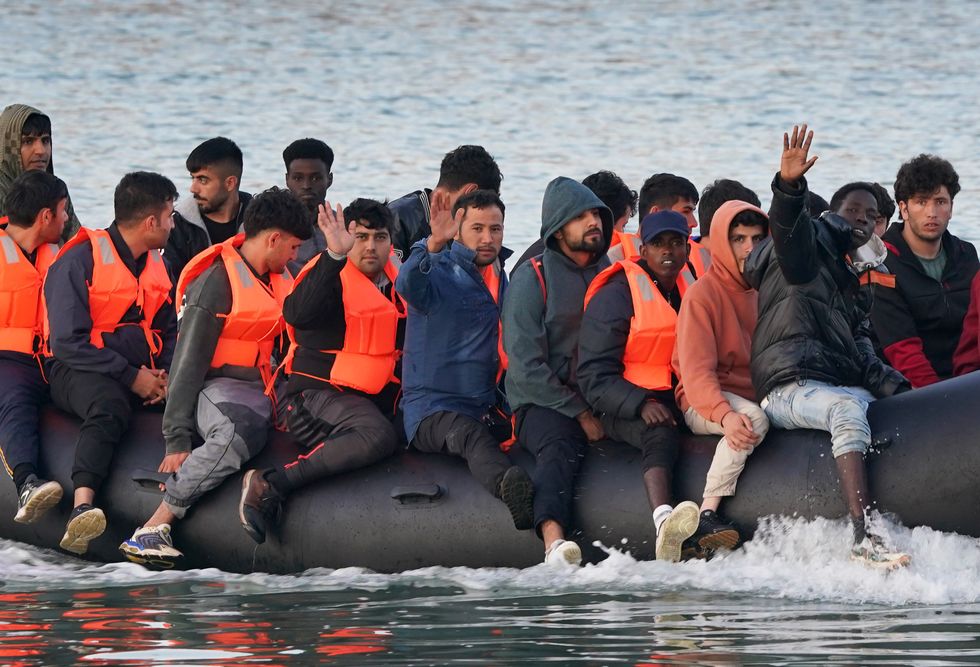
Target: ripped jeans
[[841, 411]]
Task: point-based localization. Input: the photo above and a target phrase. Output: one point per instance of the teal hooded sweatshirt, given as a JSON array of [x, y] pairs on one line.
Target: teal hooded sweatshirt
[[541, 339]]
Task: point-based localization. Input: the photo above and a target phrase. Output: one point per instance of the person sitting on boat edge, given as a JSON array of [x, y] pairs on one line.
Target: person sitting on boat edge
[[216, 209], [463, 170], [811, 356], [36, 212], [542, 315], [712, 356], [112, 331], [27, 145], [230, 298], [625, 346], [346, 325], [669, 192], [308, 176], [453, 357], [918, 316]]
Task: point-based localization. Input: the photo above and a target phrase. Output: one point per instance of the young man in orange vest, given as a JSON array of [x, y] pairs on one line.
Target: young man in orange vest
[[625, 348], [36, 216], [112, 330], [346, 324], [669, 192], [231, 298]]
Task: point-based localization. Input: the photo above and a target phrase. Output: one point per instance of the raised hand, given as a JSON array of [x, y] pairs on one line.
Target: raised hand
[[339, 235], [794, 162], [441, 222]]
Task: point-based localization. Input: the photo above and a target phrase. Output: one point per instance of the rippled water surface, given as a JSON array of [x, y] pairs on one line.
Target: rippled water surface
[[550, 88]]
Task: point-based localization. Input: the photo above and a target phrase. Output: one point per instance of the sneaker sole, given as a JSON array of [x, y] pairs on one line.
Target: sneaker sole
[[246, 524], [83, 529], [723, 539], [47, 496], [886, 565], [676, 528], [517, 492], [571, 555], [157, 562]]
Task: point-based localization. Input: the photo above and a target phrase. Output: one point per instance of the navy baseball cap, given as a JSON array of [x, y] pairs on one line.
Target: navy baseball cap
[[663, 221]]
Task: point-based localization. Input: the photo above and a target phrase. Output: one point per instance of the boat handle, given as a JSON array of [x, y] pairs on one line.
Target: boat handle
[[417, 494], [150, 479]]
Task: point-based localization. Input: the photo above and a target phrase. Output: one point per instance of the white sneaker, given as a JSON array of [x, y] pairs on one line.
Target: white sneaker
[[872, 552], [563, 553], [680, 524], [152, 547]]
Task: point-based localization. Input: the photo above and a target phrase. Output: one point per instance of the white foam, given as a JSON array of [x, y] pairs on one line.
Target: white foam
[[789, 558]]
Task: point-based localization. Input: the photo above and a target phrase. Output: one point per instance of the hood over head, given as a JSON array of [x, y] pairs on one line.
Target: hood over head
[[564, 200], [11, 124], [723, 261]]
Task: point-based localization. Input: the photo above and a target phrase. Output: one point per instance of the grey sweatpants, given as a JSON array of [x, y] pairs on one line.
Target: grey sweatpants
[[233, 417]]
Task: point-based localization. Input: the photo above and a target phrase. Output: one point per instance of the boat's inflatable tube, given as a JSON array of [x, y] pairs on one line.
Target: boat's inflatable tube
[[418, 510]]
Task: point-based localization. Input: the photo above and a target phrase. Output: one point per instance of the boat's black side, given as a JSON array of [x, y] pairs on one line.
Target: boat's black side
[[419, 510]]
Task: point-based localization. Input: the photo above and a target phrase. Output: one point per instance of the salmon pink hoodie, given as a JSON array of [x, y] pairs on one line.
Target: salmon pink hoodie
[[715, 326]]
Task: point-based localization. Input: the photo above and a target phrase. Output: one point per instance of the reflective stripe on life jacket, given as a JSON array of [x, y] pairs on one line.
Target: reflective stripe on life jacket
[[699, 260], [255, 319], [624, 246], [21, 297], [366, 362], [653, 328], [114, 289]]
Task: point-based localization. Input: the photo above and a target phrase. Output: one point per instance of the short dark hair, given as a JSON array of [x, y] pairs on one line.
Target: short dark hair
[[216, 152], [838, 199], [664, 190], [469, 164], [370, 213], [815, 204], [613, 192], [35, 125], [924, 174], [142, 193], [30, 193], [280, 209], [750, 218], [308, 149], [716, 194], [886, 205], [480, 199]]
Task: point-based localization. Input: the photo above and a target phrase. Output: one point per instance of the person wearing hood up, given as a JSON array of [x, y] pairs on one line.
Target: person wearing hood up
[[26, 136], [711, 360], [812, 359], [625, 349], [542, 314]]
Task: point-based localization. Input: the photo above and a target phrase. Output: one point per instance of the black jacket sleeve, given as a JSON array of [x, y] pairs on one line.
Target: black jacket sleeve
[[879, 378], [318, 300], [793, 235]]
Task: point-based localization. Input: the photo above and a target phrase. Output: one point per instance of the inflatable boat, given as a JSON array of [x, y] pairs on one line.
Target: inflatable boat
[[416, 510]]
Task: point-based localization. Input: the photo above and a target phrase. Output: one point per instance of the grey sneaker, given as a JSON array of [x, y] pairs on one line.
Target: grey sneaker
[[35, 497]]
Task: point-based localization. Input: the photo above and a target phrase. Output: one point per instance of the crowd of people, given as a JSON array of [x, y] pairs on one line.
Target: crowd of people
[[380, 325]]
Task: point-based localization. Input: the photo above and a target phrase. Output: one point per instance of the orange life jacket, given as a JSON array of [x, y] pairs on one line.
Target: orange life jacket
[[653, 328], [366, 362], [114, 289], [255, 319], [700, 260], [21, 297], [624, 246], [491, 277]]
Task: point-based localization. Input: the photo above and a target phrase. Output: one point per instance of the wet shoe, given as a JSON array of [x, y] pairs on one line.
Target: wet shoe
[[259, 505], [563, 553], [35, 497], [715, 533], [84, 525], [152, 547], [872, 552], [679, 525], [517, 492]]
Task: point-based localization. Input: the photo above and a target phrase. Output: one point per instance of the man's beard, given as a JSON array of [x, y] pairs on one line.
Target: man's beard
[[587, 244]]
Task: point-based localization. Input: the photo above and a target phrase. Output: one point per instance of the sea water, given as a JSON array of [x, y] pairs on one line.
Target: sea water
[[550, 88]]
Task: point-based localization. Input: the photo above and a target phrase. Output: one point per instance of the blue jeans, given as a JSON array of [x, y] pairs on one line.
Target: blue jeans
[[841, 411]]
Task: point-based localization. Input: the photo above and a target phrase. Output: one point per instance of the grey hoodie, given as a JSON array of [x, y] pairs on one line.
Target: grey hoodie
[[541, 339]]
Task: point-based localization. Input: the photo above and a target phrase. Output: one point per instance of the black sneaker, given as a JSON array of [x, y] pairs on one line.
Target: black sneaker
[[84, 525], [715, 533], [259, 504], [35, 497], [517, 492]]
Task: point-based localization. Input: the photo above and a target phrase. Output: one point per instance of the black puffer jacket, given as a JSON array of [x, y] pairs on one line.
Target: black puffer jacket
[[412, 216], [813, 317]]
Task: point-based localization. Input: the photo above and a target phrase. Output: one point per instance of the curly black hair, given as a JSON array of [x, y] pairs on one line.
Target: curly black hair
[[613, 192], [924, 174]]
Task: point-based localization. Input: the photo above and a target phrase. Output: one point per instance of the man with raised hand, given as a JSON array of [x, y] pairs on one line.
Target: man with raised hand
[[231, 298], [811, 356], [342, 390]]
